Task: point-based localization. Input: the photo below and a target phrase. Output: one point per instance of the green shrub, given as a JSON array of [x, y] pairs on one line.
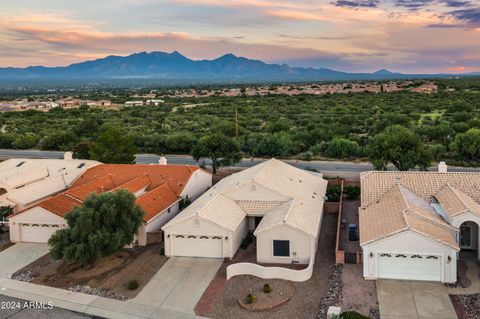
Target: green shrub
[[246, 241], [267, 288], [351, 192], [352, 315], [333, 193], [251, 298], [133, 284], [162, 252], [306, 156]]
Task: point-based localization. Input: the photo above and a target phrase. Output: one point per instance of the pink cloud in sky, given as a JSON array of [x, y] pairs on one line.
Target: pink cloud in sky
[[354, 35]]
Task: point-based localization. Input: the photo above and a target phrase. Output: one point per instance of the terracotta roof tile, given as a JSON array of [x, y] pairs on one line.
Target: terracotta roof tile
[[156, 201], [164, 185], [60, 204]]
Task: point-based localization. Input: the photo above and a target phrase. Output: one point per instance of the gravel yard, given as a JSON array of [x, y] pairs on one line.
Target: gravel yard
[[358, 294], [109, 277], [308, 297]]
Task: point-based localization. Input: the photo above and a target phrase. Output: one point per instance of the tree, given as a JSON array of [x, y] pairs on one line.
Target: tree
[[221, 149], [468, 144], [399, 146], [101, 226], [113, 145], [342, 148], [81, 150]]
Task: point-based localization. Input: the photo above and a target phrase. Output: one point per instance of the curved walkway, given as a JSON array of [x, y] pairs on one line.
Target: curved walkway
[[473, 274]]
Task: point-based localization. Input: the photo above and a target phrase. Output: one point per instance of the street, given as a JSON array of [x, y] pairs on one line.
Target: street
[[321, 166]]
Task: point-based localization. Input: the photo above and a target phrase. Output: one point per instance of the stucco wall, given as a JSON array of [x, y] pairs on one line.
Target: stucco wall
[[300, 243], [199, 183], [409, 242], [237, 237], [33, 215]]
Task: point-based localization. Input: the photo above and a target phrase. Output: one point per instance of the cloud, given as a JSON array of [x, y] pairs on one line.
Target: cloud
[[470, 17], [357, 3]]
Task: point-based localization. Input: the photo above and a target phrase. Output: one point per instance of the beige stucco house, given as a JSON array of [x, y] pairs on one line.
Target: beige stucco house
[[158, 189], [414, 224], [281, 205]]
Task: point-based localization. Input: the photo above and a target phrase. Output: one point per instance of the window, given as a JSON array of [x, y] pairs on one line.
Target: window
[[281, 248]]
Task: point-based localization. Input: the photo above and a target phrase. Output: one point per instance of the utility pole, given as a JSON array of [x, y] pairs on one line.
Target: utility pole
[[236, 123]]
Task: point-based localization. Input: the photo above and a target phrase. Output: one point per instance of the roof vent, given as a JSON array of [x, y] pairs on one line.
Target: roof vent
[[68, 156], [442, 167], [162, 161]]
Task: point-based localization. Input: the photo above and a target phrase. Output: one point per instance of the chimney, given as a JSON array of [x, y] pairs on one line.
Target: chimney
[[68, 156], [442, 167], [162, 161]]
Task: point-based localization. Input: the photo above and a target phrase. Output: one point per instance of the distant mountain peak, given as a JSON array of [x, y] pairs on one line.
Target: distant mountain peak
[[383, 72]]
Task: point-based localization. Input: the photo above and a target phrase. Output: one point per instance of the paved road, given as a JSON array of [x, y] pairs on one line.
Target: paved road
[[322, 166], [22, 309]]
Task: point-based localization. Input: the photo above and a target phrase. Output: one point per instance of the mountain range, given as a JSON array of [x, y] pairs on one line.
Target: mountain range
[[175, 66]]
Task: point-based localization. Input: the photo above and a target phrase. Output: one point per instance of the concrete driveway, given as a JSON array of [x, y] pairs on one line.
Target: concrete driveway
[[179, 284], [413, 299], [18, 256]]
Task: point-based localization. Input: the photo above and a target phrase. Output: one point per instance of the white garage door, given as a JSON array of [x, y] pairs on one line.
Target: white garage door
[[409, 266], [197, 246], [37, 233]]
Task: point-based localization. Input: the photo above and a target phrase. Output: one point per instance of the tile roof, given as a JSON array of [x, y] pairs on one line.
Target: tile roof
[[30, 180], [456, 202], [250, 190], [163, 183], [175, 175], [400, 210], [425, 184], [156, 201], [60, 204]]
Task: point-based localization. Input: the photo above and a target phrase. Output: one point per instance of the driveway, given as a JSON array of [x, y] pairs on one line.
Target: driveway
[[179, 284], [413, 299], [18, 256]]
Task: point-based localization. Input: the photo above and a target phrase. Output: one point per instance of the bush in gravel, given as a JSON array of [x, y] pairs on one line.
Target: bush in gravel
[[267, 289], [251, 298], [352, 315], [133, 284]]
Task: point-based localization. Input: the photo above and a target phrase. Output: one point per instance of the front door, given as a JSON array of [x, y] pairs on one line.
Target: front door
[[465, 237]]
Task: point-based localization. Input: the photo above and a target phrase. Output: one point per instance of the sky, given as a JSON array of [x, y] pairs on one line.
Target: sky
[[410, 36]]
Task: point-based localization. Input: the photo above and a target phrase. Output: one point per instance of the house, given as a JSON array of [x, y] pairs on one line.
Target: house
[[134, 103], [154, 102], [25, 182], [158, 189], [279, 204], [414, 224]]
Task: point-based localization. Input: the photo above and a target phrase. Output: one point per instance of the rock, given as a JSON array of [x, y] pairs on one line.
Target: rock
[[25, 275], [101, 292], [333, 312], [333, 293]]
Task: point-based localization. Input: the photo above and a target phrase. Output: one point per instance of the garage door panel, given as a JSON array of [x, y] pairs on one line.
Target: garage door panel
[[409, 266], [36, 232], [197, 246]]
